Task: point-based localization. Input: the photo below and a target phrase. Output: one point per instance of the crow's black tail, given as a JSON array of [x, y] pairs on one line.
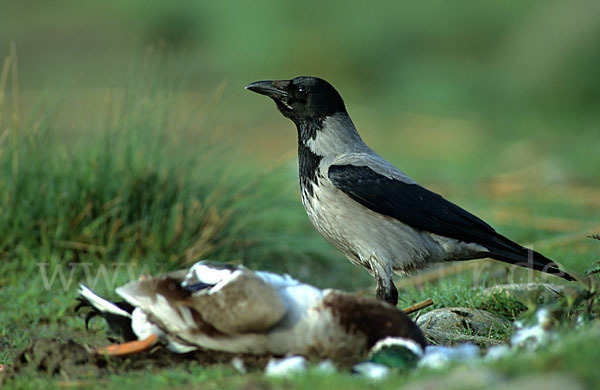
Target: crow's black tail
[[510, 252]]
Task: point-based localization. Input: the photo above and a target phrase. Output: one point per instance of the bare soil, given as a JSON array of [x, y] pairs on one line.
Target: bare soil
[[71, 359]]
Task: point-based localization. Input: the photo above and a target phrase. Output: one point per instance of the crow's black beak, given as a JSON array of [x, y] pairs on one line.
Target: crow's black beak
[[275, 89]]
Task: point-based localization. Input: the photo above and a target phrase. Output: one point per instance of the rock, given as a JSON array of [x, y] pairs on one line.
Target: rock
[[527, 292], [463, 320], [452, 339]]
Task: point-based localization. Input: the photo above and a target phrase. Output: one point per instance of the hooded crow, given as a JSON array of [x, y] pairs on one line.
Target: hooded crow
[[375, 214]]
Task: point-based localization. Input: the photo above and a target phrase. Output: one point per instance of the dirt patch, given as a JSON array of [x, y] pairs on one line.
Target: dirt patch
[[74, 360]]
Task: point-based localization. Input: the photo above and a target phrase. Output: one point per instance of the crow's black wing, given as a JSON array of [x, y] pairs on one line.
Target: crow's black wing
[[409, 203], [422, 209]]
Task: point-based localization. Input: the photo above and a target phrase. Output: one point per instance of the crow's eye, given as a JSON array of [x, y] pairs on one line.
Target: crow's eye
[[301, 90]]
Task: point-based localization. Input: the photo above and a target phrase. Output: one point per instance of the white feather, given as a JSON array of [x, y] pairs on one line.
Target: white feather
[[224, 281], [277, 281], [100, 303], [204, 273]]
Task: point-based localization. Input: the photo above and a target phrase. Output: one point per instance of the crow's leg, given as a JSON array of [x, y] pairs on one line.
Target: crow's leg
[[386, 290]]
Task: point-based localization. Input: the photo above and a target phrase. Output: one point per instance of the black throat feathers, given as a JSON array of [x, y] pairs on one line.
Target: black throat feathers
[[308, 161]]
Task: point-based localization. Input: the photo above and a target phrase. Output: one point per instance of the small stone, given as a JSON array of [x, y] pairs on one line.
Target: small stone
[[497, 352], [286, 366], [534, 336], [439, 356], [238, 365], [326, 367], [371, 370]]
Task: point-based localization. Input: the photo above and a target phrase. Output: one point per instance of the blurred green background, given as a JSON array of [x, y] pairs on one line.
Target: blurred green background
[[433, 55], [421, 71], [495, 105]]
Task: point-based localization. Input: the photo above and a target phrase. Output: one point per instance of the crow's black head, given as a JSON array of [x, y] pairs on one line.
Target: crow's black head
[[303, 98]]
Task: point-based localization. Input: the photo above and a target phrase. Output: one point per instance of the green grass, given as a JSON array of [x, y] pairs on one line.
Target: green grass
[[129, 195], [133, 188]]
